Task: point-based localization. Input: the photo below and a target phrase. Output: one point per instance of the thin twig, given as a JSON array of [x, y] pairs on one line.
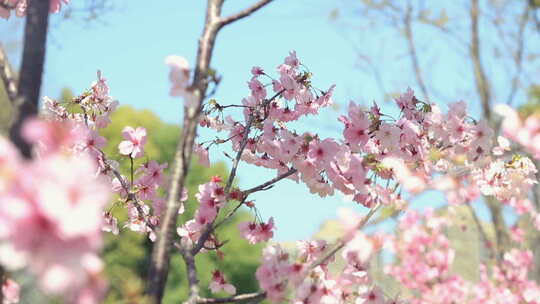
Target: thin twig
[[261, 187], [210, 226], [482, 84], [481, 231], [342, 242], [412, 52], [269, 183], [234, 299], [8, 6], [130, 195], [244, 13], [518, 58], [243, 145]]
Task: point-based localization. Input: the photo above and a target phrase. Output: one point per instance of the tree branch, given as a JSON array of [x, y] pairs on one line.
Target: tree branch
[[501, 234], [244, 13], [266, 185], [210, 226], [518, 57], [7, 75], [481, 231], [236, 161], [482, 84], [193, 280], [7, 6], [159, 265], [342, 242], [234, 299], [412, 52], [35, 41], [261, 187]]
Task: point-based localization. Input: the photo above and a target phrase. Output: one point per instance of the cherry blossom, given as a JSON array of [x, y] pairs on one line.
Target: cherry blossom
[[134, 143], [10, 291], [219, 283]]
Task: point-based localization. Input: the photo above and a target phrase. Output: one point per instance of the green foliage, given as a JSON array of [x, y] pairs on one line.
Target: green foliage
[[127, 255], [532, 107]]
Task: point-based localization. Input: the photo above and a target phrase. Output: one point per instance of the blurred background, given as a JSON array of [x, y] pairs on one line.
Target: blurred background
[[484, 52]]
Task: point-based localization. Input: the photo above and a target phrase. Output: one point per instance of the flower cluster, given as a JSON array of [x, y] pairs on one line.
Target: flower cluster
[[306, 277], [421, 149], [10, 291], [211, 198], [57, 200], [525, 132], [219, 283], [91, 112], [378, 157], [425, 259]]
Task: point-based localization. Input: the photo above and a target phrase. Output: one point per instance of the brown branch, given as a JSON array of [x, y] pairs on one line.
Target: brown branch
[[7, 75], [481, 230], [210, 226], [243, 297], [482, 84], [244, 13], [236, 161], [501, 233], [35, 40], [518, 58], [483, 88], [130, 195], [342, 242], [265, 186], [7, 6], [412, 52], [193, 281], [159, 265], [270, 183]]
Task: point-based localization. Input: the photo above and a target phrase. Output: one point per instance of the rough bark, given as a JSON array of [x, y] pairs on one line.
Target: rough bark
[[29, 86]]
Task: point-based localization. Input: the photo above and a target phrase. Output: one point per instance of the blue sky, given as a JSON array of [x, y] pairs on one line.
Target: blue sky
[[131, 42]]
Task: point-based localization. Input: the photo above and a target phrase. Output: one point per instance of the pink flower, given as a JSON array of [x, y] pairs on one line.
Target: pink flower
[[219, 283], [202, 155], [321, 152], [57, 201], [257, 71], [256, 233], [179, 77], [10, 291], [388, 135], [412, 181], [52, 136], [257, 89], [56, 5], [134, 143], [370, 296], [154, 171], [356, 126], [110, 223]]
